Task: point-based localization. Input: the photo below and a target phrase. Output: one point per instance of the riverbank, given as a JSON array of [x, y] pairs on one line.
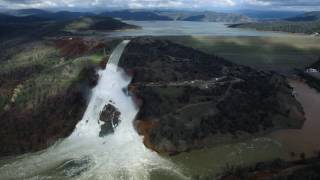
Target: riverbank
[[294, 27], [301, 147], [276, 170], [288, 145], [305, 140]]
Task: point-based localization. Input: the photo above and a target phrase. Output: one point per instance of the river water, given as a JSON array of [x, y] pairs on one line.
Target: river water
[[279, 144], [305, 140]]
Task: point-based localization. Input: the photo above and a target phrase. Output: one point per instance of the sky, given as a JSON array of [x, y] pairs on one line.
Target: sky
[[298, 5]]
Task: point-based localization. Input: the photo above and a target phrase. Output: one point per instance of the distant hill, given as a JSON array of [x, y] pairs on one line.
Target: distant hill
[[269, 15], [65, 15], [27, 12], [48, 16], [307, 23], [60, 15], [309, 16], [219, 17], [4, 19], [97, 23], [33, 26], [208, 16], [136, 15]]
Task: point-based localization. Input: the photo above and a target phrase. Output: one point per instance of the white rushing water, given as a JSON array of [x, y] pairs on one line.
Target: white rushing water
[[85, 155]]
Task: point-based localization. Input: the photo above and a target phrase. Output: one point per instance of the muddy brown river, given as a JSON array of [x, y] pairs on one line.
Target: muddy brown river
[[279, 144], [305, 140]]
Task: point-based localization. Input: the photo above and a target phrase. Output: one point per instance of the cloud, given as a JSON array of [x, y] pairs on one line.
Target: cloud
[[257, 3], [181, 4], [285, 4], [118, 3]]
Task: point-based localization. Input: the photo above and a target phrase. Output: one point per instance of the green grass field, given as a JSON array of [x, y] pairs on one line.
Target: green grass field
[[281, 54]]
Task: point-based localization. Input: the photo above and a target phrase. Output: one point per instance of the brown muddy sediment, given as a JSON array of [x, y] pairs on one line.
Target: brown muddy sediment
[[305, 140]]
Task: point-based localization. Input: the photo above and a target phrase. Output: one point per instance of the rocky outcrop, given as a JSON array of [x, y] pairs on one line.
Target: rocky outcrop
[[110, 116], [191, 99]]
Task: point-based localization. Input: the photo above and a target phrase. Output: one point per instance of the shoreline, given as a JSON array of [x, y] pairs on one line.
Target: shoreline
[[281, 32], [303, 140]]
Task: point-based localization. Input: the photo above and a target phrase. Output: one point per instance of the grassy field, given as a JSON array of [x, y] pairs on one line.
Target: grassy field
[[281, 54]]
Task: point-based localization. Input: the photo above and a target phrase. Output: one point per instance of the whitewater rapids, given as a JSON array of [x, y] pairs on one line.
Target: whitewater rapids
[[85, 155]]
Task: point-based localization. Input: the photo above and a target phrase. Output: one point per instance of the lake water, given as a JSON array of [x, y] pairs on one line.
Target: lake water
[[189, 28]]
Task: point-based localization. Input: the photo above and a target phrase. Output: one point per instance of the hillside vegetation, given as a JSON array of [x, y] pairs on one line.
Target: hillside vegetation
[[308, 23], [36, 26], [44, 87], [309, 27], [190, 99]]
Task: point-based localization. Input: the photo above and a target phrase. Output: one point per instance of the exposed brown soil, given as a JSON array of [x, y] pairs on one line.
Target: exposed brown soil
[[103, 62], [71, 47], [143, 128]]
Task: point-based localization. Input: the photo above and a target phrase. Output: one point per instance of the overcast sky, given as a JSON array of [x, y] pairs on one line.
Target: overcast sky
[[307, 5]]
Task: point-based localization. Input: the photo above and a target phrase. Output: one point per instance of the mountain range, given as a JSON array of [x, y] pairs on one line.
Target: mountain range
[[306, 23], [242, 16], [239, 16], [295, 22], [59, 23], [263, 15], [308, 16], [207, 16], [138, 15]]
